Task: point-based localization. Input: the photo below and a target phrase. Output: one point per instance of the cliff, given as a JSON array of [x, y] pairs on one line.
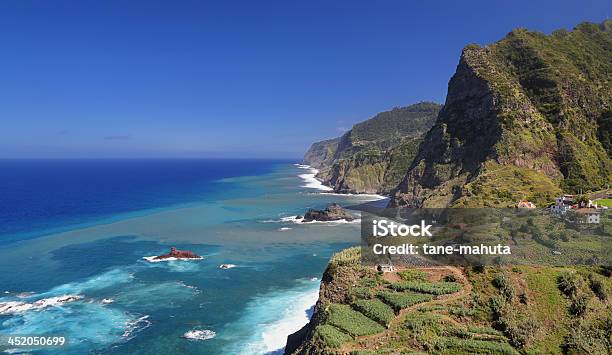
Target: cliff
[[374, 154], [321, 154], [524, 118]]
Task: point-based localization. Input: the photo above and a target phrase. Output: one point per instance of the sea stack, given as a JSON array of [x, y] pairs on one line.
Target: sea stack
[[333, 212], [178, 254]]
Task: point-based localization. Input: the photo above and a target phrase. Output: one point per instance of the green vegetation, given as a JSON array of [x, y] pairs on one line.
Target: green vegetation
[[472, 346], [331, 336], [376, 310], [346, 257], [604, 202], [421, 322], [485, 330], [434, 288], [401, 300], [413, 275], [352, 322], [361, 293]]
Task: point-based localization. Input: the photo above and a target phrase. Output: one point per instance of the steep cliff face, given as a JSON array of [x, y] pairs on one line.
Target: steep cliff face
[[374, 154], [341, 275], [524, 118], [321, 154]]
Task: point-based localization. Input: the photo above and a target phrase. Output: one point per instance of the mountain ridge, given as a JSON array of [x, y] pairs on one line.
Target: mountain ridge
[[526, 111], [370, 157]]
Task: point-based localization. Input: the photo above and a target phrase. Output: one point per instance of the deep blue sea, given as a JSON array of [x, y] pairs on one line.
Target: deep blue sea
[[80, 229]]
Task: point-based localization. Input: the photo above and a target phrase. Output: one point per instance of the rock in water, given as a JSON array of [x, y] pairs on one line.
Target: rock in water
[[178, 254], [333, 212]]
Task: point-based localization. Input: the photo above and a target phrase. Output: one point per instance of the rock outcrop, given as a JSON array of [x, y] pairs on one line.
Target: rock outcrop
[[333, 212], [321, 154], [178, 254]]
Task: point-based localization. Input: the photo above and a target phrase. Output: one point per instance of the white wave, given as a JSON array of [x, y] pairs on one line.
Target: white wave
[[282, 229], [107, 301], [302, 166], [13, 307], [136, 326], [270, 318], [227, 266], [197, 334], [372, 197], [152, 259], [106, 279], [311, 181], [294, 219], [86, 324]]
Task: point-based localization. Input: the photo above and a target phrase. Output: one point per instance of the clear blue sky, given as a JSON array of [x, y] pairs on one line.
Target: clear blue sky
[[232, 78]]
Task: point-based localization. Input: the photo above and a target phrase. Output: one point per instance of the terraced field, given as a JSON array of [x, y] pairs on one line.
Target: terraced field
[[452, 310], [404, 307]]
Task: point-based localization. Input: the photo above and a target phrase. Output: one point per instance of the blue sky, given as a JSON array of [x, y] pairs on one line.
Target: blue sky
[[232, 78]]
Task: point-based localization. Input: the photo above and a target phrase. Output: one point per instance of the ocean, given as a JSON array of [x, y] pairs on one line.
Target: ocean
[[73, 235]]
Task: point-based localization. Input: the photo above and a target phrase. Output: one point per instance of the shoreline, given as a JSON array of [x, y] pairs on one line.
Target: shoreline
[[315, 183]]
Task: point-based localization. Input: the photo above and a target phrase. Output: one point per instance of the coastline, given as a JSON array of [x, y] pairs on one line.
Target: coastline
[[313, 182], [304, 250], [308, 308]]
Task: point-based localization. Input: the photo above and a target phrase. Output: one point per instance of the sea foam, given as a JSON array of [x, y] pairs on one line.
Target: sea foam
[[271, 317], [311, 181], [197, 334]]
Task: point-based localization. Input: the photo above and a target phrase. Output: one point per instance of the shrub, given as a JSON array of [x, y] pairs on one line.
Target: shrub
[[479, 268], [401, 300], [590, 336], [450, 278], [376, 310], [472, 346], [579, 305], [569, 283], [412, 275], [419, 322], [351, 321], [346, 257], [331, 336], [502, 282], [496, 304], [520, 331], [461, 311], [599, 287], [434, 288], [362, 293]]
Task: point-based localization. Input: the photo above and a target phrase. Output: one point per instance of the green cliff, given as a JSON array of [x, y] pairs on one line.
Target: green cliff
[[524, 118], [373, 156]]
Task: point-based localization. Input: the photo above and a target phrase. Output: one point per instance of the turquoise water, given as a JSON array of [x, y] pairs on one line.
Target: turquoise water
[[128, 305]]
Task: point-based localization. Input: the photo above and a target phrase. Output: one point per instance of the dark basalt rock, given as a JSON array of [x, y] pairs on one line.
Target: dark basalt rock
[[179, 254], [333, 212]]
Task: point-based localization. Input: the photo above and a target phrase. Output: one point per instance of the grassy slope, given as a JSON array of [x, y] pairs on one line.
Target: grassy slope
[[535, 318]]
